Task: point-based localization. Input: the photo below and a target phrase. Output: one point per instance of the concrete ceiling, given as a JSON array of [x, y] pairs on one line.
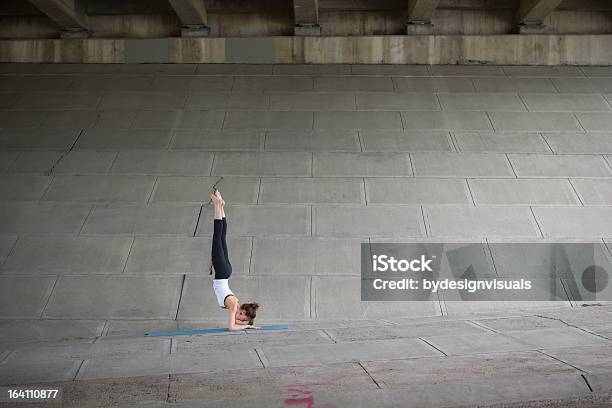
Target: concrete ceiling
[[110, 7]]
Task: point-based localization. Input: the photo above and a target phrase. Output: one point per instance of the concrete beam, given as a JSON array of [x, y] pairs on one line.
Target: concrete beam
[[421, 10], [306, 11], [535, 11], [190, 12], [306, 17], [193, 16], [66, 13], [419, 16]]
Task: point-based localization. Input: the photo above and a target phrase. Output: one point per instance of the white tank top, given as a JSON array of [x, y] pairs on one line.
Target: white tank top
[[222, 290]]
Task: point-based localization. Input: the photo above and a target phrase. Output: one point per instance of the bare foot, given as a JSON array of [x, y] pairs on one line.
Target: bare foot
[[216, 199], [222, 200]]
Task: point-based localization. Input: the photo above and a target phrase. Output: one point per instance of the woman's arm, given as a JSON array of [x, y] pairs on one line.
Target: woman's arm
[[238, 326], [232, 308], [247, 326], [231, 323]]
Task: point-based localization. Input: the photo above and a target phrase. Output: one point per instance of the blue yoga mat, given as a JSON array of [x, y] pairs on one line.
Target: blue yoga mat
[[213, 330]]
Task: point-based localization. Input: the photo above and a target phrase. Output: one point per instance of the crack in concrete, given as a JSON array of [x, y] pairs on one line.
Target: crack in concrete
[[50, 171], [198, 221], [251, 265], [91, 209], [153, 189], [168, 396], [543, 137], [360, 364], [10, 252], [127, 258], [572, 325], [42, 312], [536, 221], [559, 360], [587, 382], [332, 338], [5, 357], [178, 306], [105, 328], [76, 374], [431, 345], [262, 358], [467, 183], [483, 326]]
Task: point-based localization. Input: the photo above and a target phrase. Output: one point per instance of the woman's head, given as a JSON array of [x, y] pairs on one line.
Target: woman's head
[[247, 312]]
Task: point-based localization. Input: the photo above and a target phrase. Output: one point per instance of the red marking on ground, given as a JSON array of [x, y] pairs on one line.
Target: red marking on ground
[[301, 394]]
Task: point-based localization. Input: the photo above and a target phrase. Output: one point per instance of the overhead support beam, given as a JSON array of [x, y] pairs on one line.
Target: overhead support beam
[[193, 17], [306, 17], [67, 14], [419, 16], [533, 12]]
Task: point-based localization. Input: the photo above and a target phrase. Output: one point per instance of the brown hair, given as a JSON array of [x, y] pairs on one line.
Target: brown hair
[[250, 310]]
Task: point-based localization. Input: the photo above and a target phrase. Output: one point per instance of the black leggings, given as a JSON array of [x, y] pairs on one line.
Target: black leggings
[[220, 257]]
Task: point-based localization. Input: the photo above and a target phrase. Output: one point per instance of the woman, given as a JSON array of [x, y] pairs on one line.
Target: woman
[[240, 316]]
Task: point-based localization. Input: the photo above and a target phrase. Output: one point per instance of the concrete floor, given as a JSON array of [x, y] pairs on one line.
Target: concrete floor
[[105, 233], [559, 357]]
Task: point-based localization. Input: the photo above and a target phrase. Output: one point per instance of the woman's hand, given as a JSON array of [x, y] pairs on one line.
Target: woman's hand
[[243, 327]]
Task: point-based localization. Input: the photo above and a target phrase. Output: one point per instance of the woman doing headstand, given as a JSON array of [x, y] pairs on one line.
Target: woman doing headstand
[[240, 316]]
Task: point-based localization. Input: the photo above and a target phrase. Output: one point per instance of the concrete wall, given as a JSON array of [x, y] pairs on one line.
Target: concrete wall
[[353, 31], [490, 49]]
